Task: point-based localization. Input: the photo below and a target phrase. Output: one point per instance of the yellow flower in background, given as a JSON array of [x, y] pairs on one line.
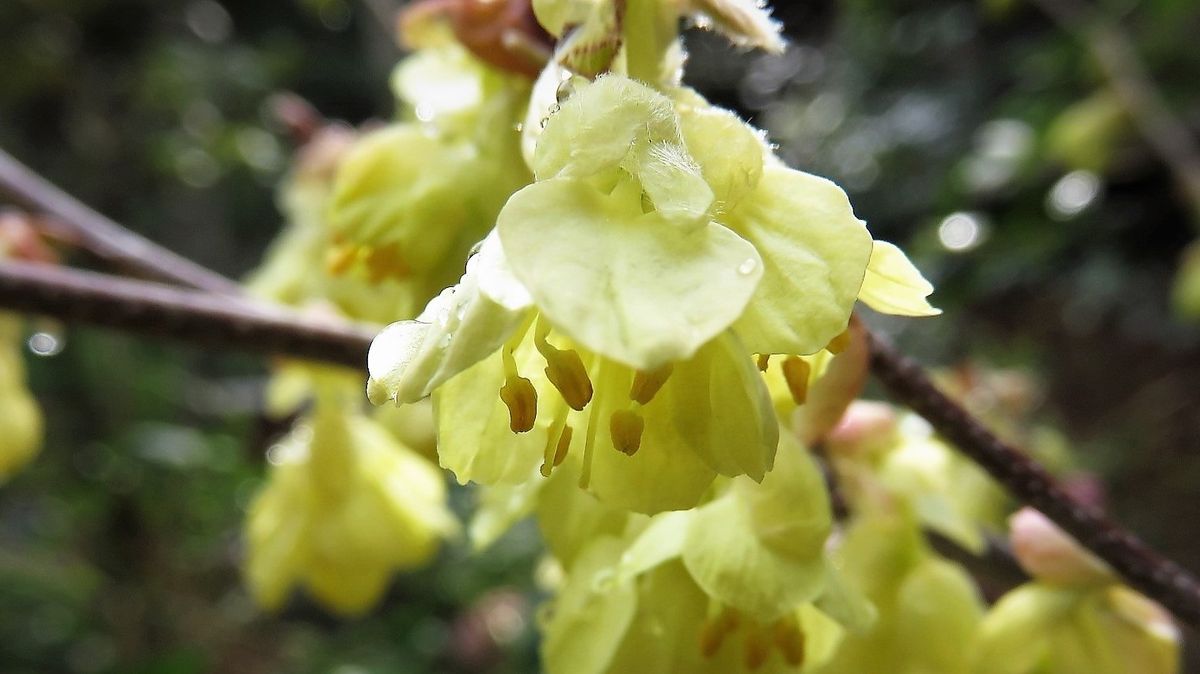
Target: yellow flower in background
[[927, 608], [412, 198], [1074, 617], [345, 506], [20, 416]]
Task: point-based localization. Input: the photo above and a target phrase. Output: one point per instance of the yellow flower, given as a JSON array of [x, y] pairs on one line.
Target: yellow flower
[[738, 585], [638, 274], [344, 507], [20, 416]]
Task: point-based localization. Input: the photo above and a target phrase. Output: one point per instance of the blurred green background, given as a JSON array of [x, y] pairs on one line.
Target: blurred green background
[[979, 135]]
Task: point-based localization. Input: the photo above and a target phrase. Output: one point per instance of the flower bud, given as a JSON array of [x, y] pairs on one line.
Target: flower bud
[[1048, 554], [866, 426]]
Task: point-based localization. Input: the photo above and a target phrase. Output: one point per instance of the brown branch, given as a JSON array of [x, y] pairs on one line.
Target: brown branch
[[1156, 576], [191, 316], [1115, 54], [102, 236]]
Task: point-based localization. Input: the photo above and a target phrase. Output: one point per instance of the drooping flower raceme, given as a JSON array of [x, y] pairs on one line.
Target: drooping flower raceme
[[622, 294]]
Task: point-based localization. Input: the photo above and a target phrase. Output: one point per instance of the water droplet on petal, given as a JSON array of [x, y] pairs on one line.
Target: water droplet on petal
[[748, 266], [565, 90]]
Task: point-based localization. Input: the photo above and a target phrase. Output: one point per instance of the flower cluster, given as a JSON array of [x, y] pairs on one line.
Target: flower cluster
[[626, 292], [653, 330]]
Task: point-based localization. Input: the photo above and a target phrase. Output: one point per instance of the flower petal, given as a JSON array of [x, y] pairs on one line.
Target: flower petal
[[596, 128], [460, 327], [893, 285], [591, 614], [815, 253], [625, 284], [720, 406], [729, 151], [760, 547], [732, 565], [474, 440]]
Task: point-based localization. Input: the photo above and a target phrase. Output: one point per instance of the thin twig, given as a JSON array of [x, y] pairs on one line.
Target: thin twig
[[191, 316], [1156, 576], [102, 236], [1118, 60]]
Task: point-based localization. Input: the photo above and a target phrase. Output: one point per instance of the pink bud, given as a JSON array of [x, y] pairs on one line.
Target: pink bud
[[1048, 554], [866, 426]]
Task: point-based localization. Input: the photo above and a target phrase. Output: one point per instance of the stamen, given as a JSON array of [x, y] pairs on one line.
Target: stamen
[[553, 441], [340, 258], [838, 344], [790, 641], [715, 629], [757, 648], [589, 444], [647, 384], [564, 444], [795, 372], [386, 261], [593, 421], [518, 395], [626, 428], [764, 361], [564, 369], [711, 638]]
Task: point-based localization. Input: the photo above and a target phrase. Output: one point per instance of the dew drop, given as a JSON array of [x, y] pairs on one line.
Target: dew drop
[[45, 344], [276, 454], [565, 90], [747, 267]]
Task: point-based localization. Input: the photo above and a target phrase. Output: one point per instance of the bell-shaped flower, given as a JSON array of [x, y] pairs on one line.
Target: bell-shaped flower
[[659, 271], [411, 198], [737, 585], [295, 269], [928, 609], [344, 507], [903, 460], [511, 394], [1045, 628], [661, 621], [20, 416], [1074, 616]]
